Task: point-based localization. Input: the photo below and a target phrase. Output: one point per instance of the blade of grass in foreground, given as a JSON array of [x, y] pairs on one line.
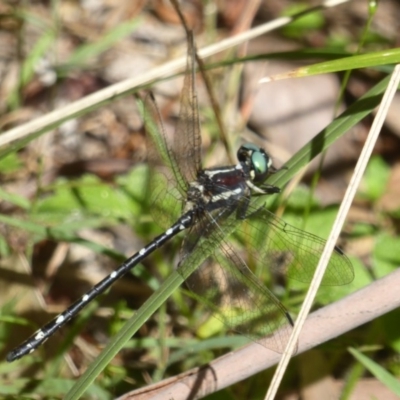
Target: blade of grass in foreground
[[380, 373], [370, 60]]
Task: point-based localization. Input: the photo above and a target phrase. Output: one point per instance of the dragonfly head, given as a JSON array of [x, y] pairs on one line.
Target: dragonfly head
[[257, 160]]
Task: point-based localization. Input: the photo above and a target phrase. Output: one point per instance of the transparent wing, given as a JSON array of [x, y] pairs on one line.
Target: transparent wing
[[177, 162], [225, 284], [187, 139], [167, 187], [275, 245]]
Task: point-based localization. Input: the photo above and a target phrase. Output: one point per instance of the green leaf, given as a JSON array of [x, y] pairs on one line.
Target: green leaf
[[212, 326], [375, 178], [301, 25], [386, 248], [9, 163], [89, 195]]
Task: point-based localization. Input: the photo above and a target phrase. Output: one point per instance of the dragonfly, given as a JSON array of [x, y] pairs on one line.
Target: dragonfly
[[213, 205]]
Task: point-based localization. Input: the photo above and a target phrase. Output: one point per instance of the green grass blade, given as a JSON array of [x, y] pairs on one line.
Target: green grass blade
[[15, 199], [27, 226], [380, 373], [130, 328], [370, 60], [28, 67], [87, 51]]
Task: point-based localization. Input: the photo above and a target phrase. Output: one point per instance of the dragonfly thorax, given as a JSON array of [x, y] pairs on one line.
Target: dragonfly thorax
[[217, 187]]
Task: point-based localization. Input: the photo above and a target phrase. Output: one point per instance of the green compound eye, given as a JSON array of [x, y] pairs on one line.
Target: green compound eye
[[256, 158], [259, 162]]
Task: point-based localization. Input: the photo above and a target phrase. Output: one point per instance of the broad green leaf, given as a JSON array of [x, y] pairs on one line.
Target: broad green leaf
[[375, 179]]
